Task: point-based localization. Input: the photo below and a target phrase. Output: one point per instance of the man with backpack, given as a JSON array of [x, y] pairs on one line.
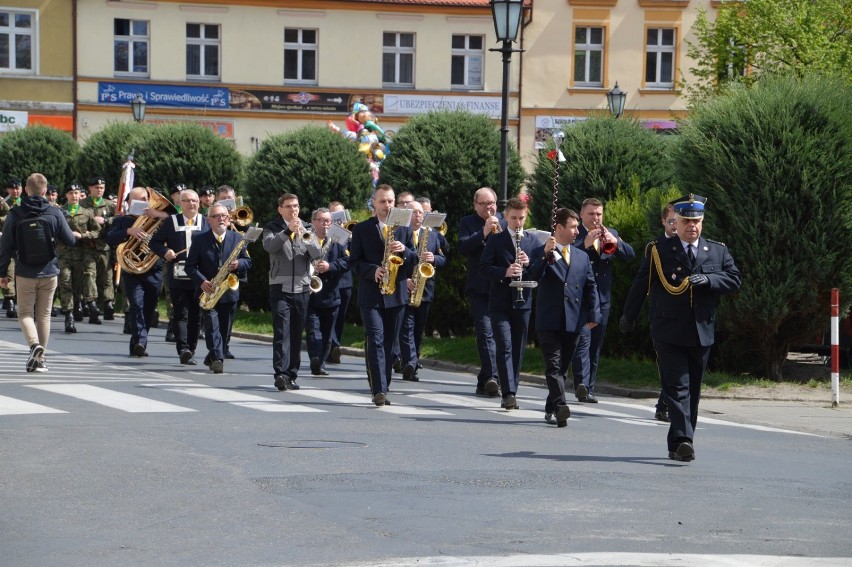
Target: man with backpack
[[29, 235]]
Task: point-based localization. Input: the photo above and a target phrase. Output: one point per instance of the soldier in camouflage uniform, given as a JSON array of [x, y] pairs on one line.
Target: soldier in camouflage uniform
[[52, 197], [76, 265], [13, 199], [104, 213]]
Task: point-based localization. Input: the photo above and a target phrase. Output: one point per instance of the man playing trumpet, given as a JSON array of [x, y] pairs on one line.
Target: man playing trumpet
[[292, 248]]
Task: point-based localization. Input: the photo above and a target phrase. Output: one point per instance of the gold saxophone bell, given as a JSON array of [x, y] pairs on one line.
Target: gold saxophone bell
[[316, 284], [348, 225], [242, 216]]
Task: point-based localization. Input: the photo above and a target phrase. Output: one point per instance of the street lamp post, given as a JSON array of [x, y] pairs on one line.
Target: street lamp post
[[616, 99], [137, 106], [507, 21]]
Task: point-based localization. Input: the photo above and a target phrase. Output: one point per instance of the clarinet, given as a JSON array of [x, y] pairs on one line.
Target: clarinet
[[519, 282]]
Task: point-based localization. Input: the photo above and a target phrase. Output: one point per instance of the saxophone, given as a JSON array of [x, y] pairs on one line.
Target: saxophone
[[225, 279], [316, 282], [391, 264], [424, 270]]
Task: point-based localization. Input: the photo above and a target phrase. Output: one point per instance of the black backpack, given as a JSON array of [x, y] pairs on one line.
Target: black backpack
[[34, 235]]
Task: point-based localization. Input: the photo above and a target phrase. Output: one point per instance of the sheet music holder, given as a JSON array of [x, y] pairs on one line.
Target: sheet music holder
[[434, 220], [541, 235], [137, 208], [399, 217], [337, 233], [341, 217]]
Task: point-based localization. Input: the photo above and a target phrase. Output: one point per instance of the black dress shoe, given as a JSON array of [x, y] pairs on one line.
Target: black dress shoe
[[510, 402], [409, 373], [334, 356], [78, 315], [228, 355], [379, 399], [562, 415], [685, 452], [291, 383], [315, 366], [662, 415], [281, 382], [397, 366], [582, 393], [109, 311], [217, 367], [491, 387], [127, 329], [138, 351], [186, 358], [549, 418]]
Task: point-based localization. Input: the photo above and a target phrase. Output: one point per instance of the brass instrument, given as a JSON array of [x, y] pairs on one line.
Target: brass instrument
[[519, 282], [606, 247], [316, 282], [242, 216], [495, 228], [134, 256], [225, 279], [424, 270], [390, 263], [442, 230], [348, 225]]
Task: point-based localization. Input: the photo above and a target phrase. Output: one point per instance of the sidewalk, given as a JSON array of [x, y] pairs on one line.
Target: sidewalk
[[812, 415]]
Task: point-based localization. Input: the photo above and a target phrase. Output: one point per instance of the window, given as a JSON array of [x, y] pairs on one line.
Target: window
[[300, 56], [467, 57], [398, 59], [659, 58], [131, 47], [588, 56], [17, 40], [202, 51]]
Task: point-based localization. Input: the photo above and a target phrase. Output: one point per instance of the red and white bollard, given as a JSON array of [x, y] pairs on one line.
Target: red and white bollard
[[835, 346]]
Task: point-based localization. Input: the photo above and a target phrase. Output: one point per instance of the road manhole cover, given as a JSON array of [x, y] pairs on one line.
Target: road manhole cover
[[313, 444]]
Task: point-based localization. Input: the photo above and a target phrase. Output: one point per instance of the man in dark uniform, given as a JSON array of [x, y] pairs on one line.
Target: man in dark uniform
[[344, 288], [506, 259], [324, 304], [172, 243], [596, 239], [141, 290], [474, 231], [687, 275], [566, 301], [380, 312], [414, 320], [103, 211], [208, 253]]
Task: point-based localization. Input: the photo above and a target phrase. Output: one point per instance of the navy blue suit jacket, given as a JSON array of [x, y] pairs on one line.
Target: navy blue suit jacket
[[499, 253], [438, 246], [602, 263], [338, 265], [567, 296], [172, 236], [471, 246], [205, 259], [367, 252]]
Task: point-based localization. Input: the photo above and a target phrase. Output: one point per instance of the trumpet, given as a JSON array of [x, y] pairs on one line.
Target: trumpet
[[495, 228], [606, 246]]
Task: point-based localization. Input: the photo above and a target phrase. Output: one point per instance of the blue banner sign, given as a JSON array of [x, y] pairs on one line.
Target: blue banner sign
[[164, 95]]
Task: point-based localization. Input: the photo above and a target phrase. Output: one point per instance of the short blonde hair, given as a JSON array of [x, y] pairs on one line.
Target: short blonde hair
[[36, 184]]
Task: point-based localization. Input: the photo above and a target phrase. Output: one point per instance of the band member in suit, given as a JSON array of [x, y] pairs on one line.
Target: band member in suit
[[140, 290], [292, 248], [595, 238], [381, 313], [344, 288], [173, 242], [566, 301], [474, 231], [414, 320], [687, 274], [206, 257], [324, 303], [506, 258]]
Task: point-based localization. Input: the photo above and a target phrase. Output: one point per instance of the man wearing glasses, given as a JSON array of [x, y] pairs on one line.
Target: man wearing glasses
[[474, 232], [405, 199]]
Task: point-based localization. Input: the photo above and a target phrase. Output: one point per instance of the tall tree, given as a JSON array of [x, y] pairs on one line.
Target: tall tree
[[750, 39]]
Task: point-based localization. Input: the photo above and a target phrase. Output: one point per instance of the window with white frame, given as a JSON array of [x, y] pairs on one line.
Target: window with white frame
[[203, 45], [397, 59], [467, 58], [659, 58], [17, 40], [588, 56], [300, 56], [131, 47]]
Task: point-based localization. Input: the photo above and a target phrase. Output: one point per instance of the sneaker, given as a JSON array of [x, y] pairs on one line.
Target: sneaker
[[36, 351], [40, 367]]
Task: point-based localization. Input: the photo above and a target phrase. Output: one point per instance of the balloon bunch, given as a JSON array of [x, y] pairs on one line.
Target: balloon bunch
[[361, 128]]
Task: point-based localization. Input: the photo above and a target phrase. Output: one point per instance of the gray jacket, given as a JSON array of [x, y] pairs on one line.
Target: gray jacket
[[289, 258]]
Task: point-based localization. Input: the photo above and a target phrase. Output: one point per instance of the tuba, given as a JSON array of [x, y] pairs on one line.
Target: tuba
[[134, 256], [390, 263], [424, 270]]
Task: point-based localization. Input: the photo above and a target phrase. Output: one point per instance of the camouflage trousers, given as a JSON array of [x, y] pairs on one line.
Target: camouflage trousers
[[105, 278], [10, 291], [76, 279]]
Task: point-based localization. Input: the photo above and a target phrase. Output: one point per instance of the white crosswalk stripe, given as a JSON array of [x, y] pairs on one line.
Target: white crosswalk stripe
[[110, 398], [363, 401], [235, 397], [11, 406]]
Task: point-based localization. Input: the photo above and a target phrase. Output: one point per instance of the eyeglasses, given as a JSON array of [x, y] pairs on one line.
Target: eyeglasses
[[323, 221], [487, 204], [219, 216], [670, 222]]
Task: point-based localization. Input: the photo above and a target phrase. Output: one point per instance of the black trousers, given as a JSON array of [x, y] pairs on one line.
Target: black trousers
[[289, 314], [556, 346], [217, 321], [381, 327], [142, 292], [681, 372], [186, 314], [319, 331]]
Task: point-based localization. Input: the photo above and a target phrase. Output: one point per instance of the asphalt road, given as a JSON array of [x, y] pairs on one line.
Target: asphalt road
[[107, 460]]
